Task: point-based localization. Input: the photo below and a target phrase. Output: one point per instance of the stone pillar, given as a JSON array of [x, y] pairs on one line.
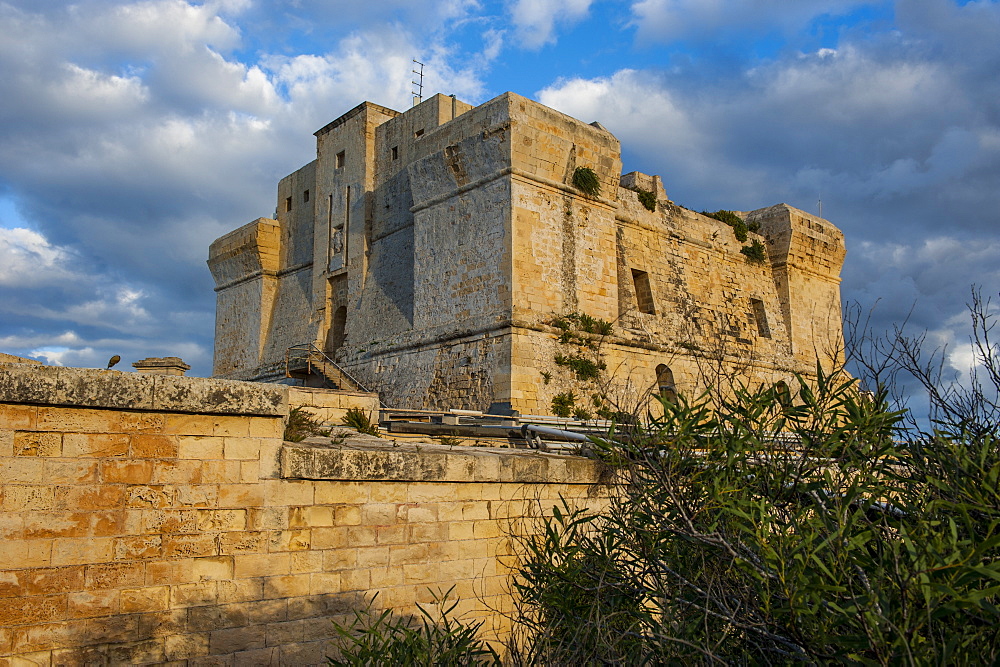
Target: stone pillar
[[161, 366]]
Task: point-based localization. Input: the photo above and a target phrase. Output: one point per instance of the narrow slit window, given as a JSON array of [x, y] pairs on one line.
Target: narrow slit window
[[419, 133], [340, 159], [305, 196], [760, 315], [643, 293], [288, 204], [395, 152]]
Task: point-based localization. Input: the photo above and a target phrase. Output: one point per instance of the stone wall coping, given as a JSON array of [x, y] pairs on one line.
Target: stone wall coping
[[369, 458], [98, 388]]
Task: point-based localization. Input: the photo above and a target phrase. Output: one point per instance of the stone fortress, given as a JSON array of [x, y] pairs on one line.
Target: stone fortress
[[435, 254], [448, 257]]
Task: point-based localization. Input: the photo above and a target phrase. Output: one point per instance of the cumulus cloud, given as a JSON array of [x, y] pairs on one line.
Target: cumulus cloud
[[535, 20], [27, 259]]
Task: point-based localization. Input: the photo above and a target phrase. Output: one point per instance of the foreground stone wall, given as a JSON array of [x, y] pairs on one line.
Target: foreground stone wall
[[150, 519]]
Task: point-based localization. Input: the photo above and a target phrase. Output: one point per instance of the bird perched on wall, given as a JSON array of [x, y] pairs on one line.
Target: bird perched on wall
[[113, 360]]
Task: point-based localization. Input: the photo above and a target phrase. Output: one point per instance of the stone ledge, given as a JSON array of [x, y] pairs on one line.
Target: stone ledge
[[14, 359], [368, 458], [96, 388]]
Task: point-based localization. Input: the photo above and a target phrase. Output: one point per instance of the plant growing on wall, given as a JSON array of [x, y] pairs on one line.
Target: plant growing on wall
[[562, 404], [586, 181], [359, 421], [584, 359], [584, 322], [301, 425], [584, 368], [755, 253], [647, 198], [737, 223]]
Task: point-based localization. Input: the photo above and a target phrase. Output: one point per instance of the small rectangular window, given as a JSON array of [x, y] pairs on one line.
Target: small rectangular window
[[340, 159], [760, 315], [643, 293], [419, 133], [288, 204], [395, 152], [305, 196]]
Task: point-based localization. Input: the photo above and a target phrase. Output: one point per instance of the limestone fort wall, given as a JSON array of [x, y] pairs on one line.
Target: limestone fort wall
[[161, 519]]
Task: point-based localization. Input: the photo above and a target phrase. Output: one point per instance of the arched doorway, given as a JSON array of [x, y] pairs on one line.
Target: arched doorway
[[335, 336], [665, 383], [784, 393]]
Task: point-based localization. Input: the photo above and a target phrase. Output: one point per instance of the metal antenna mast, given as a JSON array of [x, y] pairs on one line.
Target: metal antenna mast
[[418, 94], [820, 203]]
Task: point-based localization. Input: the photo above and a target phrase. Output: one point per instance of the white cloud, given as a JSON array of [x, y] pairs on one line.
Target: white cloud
[[92, 92], [164, 26], [627, 103], [493, 42], [373, 65], [27, 259], [535, 20]]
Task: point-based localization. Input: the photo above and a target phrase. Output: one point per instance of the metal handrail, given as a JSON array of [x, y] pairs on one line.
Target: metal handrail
[[314, 354]]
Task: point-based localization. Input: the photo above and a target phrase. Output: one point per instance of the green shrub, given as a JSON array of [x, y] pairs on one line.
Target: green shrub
[[586, 181], [725, 216], [582, 413], [647, 198], [721, 546], [383, 639], [562, 404], [755, 252], [301, 425], [736, 222], [359, 421]]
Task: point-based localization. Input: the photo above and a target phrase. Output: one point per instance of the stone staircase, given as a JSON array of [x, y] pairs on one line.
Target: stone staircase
[[308, 363]]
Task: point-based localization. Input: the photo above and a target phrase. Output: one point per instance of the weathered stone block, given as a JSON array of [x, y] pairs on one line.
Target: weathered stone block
[[185, 646], [200, 447], [233, 640], [37, 443], [88, 604]]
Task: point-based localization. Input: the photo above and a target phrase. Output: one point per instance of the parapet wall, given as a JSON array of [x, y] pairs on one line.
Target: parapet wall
[[149, 519]]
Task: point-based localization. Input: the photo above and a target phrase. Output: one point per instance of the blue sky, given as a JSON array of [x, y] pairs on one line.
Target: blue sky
[[134, 133]]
